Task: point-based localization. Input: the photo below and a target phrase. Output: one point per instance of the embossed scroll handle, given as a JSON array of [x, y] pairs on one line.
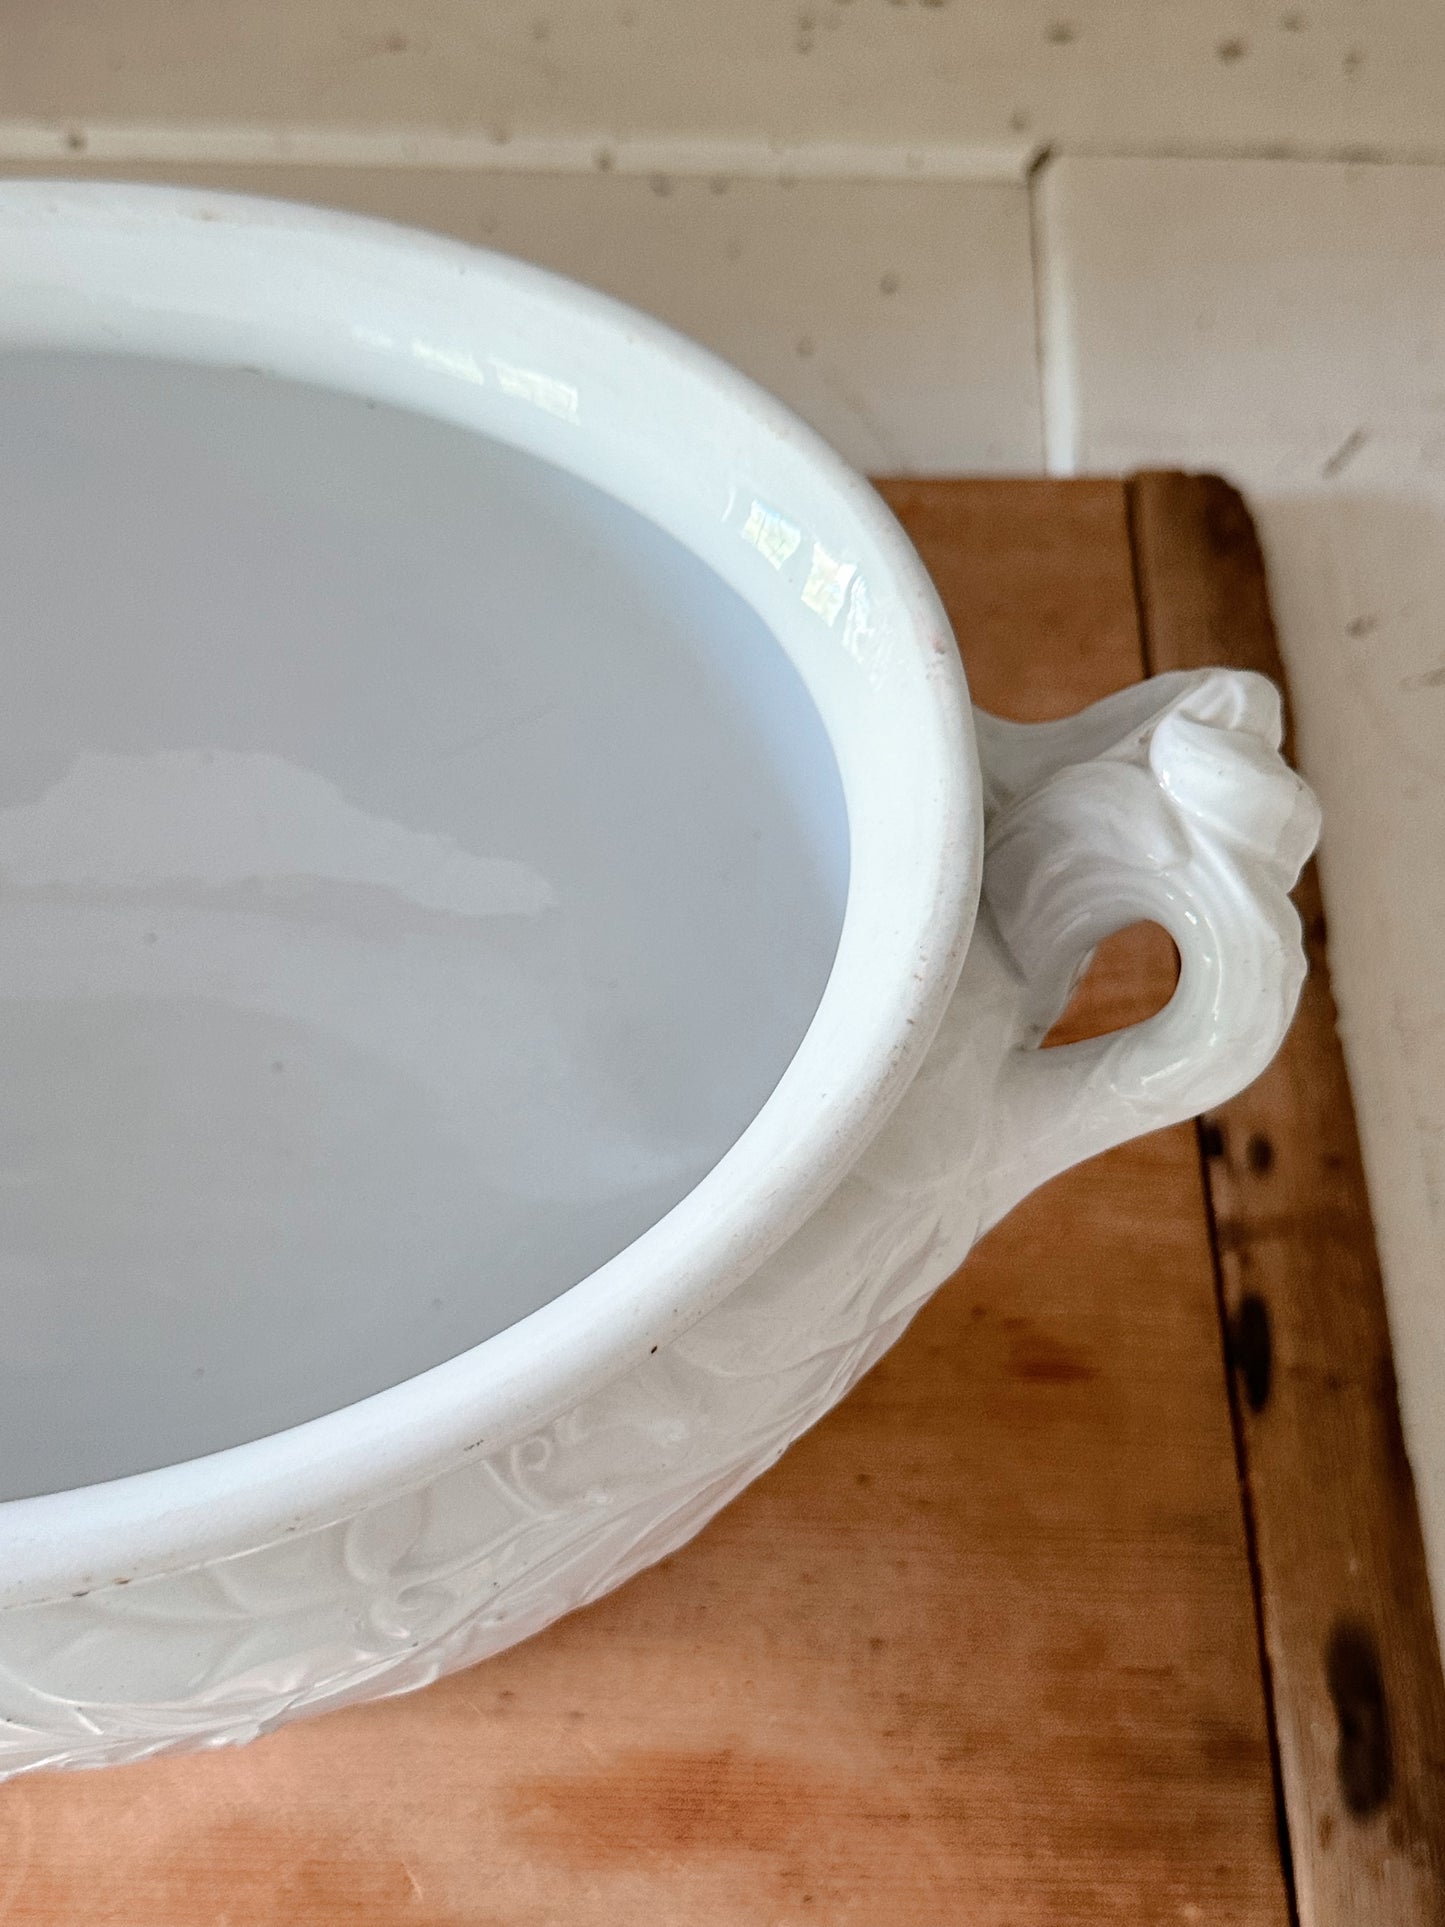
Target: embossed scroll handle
[[1168, 803]]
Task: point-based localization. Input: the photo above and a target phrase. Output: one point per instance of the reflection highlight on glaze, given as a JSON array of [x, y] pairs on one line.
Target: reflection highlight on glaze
[[827, 584], [553, 396], [774, 537], [833, 586], [223, 817], [450, 361], [546, 392]]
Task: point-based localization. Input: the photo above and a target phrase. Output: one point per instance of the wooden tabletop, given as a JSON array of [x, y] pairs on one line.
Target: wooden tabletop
[[1100, 1600]]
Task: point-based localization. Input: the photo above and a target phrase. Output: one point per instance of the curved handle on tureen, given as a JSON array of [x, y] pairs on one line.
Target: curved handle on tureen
[[1168, 803]]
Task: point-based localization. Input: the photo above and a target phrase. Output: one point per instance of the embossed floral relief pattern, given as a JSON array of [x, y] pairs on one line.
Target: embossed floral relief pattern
[[499, 1545]]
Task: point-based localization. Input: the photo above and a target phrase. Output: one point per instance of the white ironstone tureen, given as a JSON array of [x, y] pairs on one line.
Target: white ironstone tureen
[[519, 968]]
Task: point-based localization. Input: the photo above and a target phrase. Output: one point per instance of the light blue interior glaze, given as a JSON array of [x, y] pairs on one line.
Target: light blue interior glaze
[[415, 871]]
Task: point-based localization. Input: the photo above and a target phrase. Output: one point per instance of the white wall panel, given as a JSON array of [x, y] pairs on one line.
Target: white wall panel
[[937, 85]]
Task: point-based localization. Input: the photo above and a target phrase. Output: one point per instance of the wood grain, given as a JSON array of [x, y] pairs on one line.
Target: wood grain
[[1359, 1703], [981, 1649]]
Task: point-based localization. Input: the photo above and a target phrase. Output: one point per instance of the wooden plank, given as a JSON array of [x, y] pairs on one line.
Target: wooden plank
[[1037, 580], [1315, 382], [980, 1649], [1359, 1703]]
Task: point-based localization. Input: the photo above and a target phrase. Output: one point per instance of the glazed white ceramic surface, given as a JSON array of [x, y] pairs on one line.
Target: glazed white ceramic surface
[[498, 1019], [419, 872]]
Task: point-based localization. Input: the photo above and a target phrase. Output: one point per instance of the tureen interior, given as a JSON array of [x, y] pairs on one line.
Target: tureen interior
[[416, 870]]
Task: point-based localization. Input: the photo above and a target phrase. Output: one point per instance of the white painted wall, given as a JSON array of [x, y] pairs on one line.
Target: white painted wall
[[851, 85]]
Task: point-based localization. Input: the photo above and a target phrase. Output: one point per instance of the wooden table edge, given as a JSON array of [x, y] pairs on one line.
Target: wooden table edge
[[1349, 1648]]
